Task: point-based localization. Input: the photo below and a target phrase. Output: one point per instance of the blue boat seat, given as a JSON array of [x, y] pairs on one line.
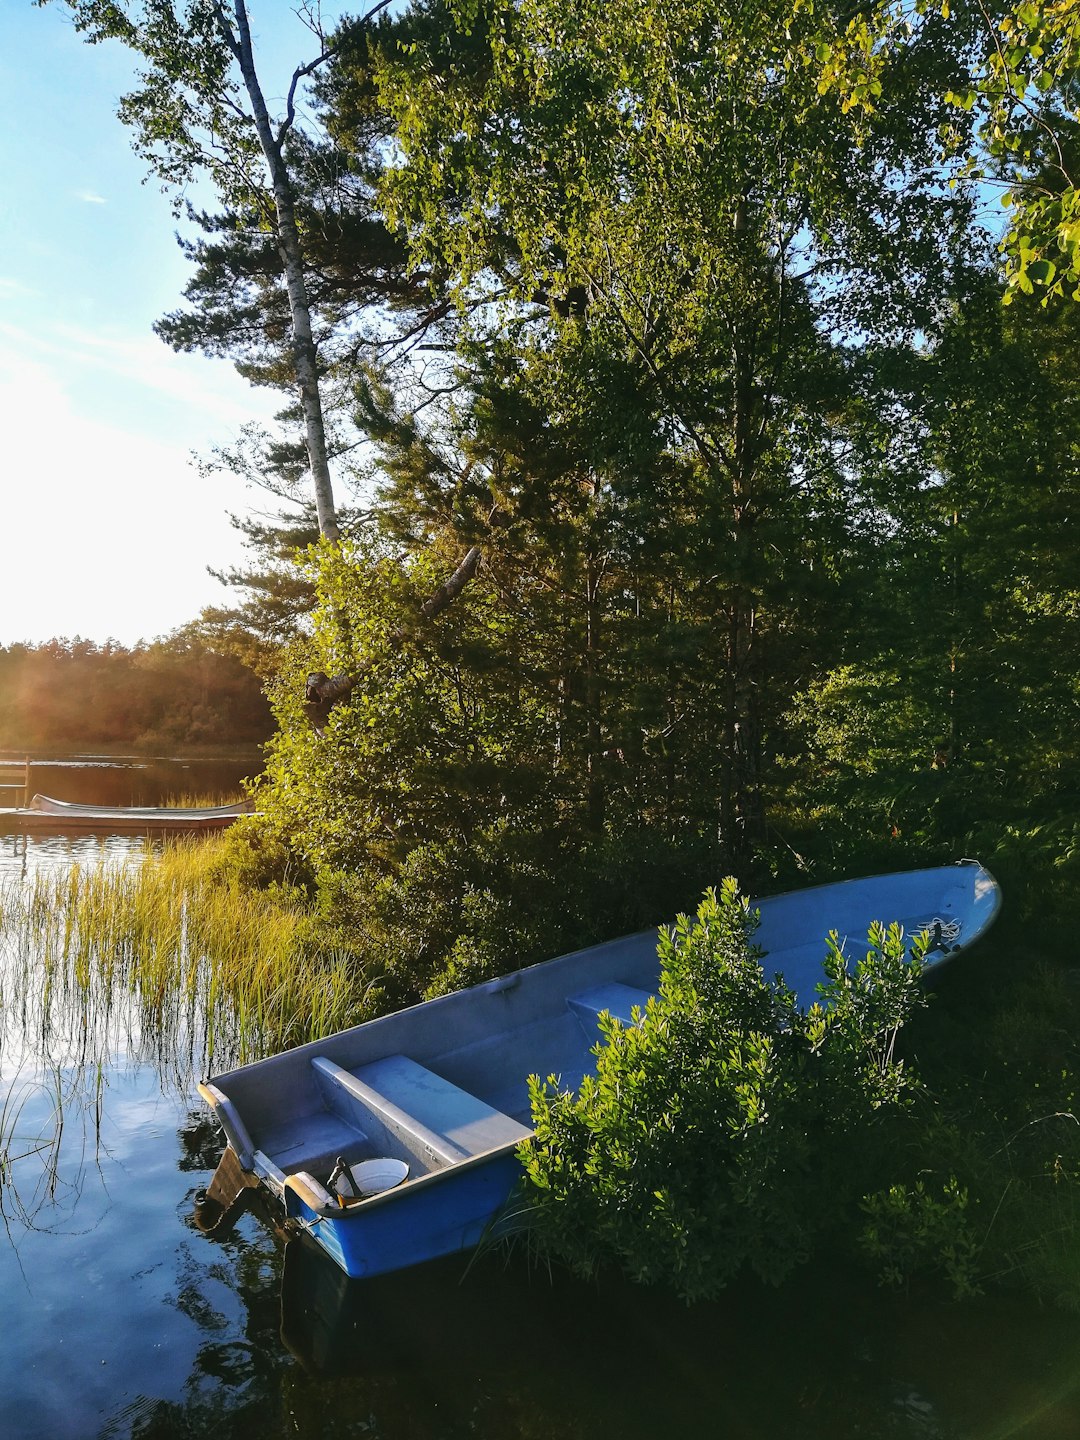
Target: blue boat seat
[[407, 1110], [617, 999], [313, 1142]]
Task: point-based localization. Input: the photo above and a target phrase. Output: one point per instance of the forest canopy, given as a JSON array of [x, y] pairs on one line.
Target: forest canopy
[[699, 506]]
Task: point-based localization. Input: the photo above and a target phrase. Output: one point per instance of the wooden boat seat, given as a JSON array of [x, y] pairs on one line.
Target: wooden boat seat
[[617, 999], [408, 1110]]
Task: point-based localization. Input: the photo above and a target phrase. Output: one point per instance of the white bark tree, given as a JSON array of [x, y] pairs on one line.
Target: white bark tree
[[200, 108]]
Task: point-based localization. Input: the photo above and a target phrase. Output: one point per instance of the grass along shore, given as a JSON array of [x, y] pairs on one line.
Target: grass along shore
[[172, 957]]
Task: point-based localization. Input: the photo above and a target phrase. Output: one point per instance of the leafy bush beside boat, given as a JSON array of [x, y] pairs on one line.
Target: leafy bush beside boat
[[727, 1129]]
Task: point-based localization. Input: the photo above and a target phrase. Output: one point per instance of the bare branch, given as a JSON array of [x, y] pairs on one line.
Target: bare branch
[[448, 592]]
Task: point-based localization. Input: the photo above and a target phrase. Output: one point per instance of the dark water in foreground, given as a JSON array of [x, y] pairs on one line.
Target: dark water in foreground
[[123, 1320]]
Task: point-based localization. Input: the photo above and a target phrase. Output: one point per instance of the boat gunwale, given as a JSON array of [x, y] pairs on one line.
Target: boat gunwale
[[883, 875], [513, 977], [63, 809]]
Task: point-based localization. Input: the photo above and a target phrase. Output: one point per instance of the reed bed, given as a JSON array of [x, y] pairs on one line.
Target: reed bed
[[170, 960], [199, 799]]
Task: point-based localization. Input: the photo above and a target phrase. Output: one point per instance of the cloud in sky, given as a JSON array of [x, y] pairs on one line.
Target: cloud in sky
[[12, 289], [199, 392], [108, 526], [90, 197]]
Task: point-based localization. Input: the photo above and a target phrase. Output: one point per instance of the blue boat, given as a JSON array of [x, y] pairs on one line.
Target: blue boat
[[396, 1141]]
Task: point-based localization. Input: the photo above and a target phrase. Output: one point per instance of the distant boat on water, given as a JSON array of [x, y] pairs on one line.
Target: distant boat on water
[[45, 813], [395, 1142]]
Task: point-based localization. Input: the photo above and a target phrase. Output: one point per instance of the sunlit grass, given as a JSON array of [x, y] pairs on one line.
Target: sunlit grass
[[168, 959], [202, 800]]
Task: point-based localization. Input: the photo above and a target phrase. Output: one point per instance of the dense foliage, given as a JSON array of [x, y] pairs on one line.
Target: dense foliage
[[727, 1128], [762, 477], [712, 514]]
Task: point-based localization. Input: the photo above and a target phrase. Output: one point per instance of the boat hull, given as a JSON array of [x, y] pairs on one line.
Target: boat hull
[[443, 1085], [426, 1222]]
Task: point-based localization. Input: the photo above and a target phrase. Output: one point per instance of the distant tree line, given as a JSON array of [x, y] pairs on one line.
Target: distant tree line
[[176, 691]]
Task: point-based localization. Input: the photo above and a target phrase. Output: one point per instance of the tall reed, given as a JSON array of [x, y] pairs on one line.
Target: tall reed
[[168, 959]]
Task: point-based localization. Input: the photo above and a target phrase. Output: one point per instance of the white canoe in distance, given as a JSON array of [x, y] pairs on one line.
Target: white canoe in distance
[[442, 1086], [45, 813]]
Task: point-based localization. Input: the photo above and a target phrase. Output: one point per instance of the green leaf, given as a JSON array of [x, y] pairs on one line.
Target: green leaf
[[1042, 272]]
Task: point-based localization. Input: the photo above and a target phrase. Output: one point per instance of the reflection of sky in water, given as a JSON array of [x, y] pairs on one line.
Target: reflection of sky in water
[[98, 1244], [123, 1320], [22, 855], [111, 1296], [91, 758], [88, 762]]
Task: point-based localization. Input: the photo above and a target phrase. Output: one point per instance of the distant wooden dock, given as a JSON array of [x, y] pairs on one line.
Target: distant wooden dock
[[15, 780]]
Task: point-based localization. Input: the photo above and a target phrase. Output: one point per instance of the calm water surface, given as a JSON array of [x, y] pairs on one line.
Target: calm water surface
[[117, 779], [123, 1320]]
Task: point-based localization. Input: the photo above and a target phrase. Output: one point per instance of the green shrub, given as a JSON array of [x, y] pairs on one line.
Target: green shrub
[[909, 1229], [726, 1129]]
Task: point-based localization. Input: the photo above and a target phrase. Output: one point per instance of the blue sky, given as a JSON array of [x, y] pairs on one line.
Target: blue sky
[[106, 527]]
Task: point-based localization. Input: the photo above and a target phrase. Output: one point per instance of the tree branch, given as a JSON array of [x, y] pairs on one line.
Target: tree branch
[[448, 592], [322, 692]]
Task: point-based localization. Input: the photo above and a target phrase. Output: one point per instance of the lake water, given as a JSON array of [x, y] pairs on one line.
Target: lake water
[[122, 1319], [107, 779], [119, 779]]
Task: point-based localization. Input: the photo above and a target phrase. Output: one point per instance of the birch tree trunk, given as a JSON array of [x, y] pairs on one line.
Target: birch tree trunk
[[305, 356]]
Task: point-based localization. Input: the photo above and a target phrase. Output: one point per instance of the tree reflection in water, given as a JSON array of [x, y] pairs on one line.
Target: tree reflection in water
[[495, 1349]]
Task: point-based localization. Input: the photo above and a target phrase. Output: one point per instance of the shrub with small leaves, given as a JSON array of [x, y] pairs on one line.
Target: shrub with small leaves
[[909, 1229], [725, 1129]]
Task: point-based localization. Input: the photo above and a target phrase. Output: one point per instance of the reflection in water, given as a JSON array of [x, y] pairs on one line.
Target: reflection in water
[[22, 856], [124, 1320], [495, 1350], [135, 779], [38, 1189]]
